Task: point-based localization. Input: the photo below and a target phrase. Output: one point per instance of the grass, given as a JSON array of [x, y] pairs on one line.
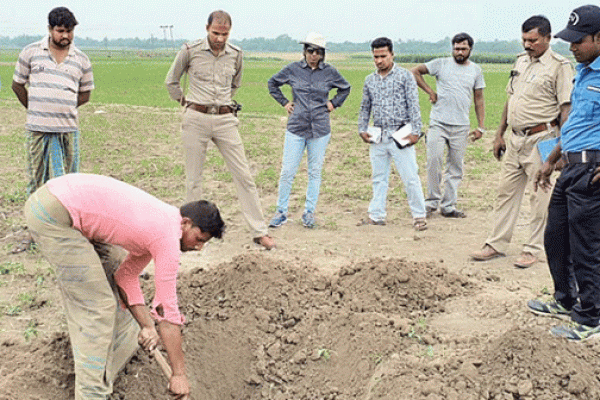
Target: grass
[[131, 131], [31, 331], [12, 267]]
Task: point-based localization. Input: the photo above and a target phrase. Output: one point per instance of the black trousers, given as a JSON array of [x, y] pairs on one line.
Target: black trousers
[[572, 242]]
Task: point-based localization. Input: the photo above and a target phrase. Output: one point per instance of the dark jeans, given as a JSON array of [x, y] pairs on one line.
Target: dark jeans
[[572, 241]]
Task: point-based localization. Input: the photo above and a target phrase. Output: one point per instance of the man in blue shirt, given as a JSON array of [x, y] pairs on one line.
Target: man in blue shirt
[[391, 95], [572, 235]]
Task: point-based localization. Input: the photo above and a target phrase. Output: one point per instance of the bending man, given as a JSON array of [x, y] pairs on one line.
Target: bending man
[[65, 216]]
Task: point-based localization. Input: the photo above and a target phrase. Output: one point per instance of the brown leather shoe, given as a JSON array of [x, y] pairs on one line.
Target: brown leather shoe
[[525, 260], [265, 241], [486, 254]]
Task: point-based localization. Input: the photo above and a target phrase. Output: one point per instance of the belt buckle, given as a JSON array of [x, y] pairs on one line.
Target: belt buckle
[[212, 110], [584, 156]]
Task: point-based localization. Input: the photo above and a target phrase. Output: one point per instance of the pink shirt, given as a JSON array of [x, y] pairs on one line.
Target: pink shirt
[[110, 211]]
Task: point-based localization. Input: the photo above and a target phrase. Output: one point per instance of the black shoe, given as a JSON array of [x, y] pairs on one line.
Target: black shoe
[[454, 214]]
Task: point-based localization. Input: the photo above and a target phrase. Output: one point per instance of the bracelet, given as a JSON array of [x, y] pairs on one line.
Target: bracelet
[[480, 129]]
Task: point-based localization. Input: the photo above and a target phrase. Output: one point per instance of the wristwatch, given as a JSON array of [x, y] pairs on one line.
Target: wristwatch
[[480, 129]]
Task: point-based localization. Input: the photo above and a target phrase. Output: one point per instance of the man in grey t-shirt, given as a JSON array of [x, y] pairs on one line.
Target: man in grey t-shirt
[[458, 81]]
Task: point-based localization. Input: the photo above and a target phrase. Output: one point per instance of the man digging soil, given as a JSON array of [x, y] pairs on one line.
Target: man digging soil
[[77, 220]]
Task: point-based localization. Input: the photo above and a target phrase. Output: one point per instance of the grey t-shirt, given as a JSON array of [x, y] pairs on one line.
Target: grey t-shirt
[[455, 85]]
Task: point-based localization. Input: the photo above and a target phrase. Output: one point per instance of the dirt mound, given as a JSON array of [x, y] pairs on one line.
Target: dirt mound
[[260, 327], [529, 363], [42, 371], [523, 364]]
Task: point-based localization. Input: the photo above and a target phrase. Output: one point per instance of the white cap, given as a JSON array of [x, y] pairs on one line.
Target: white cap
[[316, 39]]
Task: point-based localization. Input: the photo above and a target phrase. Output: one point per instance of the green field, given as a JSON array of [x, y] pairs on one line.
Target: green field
[[134, 79], [131, 131]]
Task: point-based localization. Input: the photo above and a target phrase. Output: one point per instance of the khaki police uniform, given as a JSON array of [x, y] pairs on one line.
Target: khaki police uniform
[[536, 90], [213, 81]]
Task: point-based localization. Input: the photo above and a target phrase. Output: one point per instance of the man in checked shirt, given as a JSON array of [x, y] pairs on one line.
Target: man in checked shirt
[[391, 95]]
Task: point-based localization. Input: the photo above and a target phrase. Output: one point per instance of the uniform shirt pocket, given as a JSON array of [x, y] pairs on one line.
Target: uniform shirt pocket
[[203, 71], [224, 75], [592, 101]]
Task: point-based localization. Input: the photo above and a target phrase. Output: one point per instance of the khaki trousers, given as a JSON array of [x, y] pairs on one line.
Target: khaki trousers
[[521, 163], [103, 335], [197, 130]]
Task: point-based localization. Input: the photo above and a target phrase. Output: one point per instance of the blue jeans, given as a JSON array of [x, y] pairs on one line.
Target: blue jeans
[[406, 164], [293, 149]]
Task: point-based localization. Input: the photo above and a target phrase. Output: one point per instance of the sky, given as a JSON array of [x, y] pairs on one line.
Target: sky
[[338, 21]]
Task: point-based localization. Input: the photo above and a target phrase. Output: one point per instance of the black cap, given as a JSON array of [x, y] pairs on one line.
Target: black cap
[[583, 21]]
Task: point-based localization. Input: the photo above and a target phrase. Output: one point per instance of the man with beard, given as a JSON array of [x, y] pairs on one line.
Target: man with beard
[[458, 80], [538, 103], [59, 79], [214, 68]]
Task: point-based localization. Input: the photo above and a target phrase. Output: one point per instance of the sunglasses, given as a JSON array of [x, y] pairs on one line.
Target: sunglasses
[[313, 50]]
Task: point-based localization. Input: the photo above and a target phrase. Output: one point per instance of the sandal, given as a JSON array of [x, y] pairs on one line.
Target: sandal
[[420, 224], [369, 221], [265, 241]]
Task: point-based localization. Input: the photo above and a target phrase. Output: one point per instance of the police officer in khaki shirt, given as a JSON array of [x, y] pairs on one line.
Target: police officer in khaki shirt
[[214, 69], [539, 91]]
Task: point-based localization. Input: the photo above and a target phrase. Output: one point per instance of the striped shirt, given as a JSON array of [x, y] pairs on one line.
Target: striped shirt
[[53, 88]]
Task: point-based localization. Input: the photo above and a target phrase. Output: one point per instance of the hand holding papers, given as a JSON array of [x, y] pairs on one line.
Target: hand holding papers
[[375, 133], [401, 136]]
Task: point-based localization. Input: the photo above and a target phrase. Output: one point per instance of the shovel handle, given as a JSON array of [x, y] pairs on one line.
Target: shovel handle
[[164, 365]]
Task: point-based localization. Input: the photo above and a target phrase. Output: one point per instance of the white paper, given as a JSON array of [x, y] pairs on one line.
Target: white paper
[[375, 133], [402, 134]]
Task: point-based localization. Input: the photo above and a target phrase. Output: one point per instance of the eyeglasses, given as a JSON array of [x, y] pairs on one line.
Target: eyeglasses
[[313, 50]]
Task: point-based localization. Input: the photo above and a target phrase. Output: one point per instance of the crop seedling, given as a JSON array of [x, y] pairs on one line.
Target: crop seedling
[[11, 267], [324, 353], [31, 330], [13, 310]]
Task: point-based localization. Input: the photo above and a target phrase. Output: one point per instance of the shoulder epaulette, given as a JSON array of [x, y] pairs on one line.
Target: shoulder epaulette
[[560, 58], [234, 47], [195, 43]]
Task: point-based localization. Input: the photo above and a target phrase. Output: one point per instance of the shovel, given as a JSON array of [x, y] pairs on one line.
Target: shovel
[[164, 366]]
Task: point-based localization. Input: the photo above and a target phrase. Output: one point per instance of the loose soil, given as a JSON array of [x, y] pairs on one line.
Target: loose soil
[[338, 312]]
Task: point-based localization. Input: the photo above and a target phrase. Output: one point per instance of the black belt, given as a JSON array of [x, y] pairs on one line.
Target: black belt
[[579, 157]]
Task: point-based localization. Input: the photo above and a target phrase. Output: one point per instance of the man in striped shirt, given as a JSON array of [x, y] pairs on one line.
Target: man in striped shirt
[[52, 78]]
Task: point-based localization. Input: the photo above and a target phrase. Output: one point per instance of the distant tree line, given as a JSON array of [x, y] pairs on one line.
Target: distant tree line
[[483, 51]]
